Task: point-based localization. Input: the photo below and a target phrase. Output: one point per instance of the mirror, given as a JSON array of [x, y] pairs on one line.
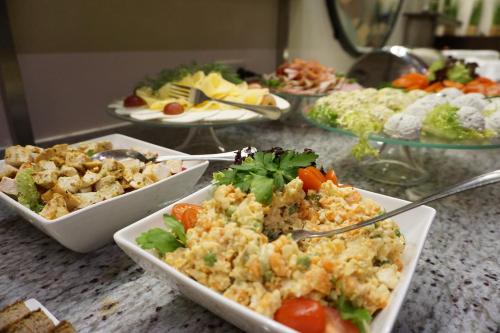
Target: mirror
[[363, 25]]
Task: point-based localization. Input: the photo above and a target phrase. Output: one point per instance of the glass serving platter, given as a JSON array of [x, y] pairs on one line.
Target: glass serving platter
[[401, 162], [201, 137]]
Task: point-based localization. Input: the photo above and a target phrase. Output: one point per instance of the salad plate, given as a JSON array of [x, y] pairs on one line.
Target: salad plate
[[414, 225], [89, 228]]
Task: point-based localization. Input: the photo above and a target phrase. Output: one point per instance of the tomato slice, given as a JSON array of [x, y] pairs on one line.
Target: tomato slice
[[330, 175], [302, 314], [310, 179], [335, 323], [179, 210], [133, 101]]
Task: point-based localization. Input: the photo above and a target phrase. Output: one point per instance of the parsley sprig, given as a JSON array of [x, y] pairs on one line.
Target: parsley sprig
[[358, 316], [265, 172], [178, 73], [164, 241]]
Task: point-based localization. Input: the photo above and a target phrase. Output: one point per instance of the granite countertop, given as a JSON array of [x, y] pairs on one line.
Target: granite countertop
[[455, 287]]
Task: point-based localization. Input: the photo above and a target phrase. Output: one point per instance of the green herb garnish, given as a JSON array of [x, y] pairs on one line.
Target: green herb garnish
[[265, 172], [177, 74], [358, 316], [164, 241], [210, 259], [90, 152]]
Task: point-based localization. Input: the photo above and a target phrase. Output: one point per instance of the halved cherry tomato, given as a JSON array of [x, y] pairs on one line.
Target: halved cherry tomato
[[133, 101], [310, 179], [435, 87], [302, 314], [317, 173], [190, 217], [330, 175], [335, 323], [188, 220]]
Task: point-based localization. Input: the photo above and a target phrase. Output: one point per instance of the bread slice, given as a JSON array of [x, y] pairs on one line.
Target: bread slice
[[35, 322], [64, 327], [12, 313]]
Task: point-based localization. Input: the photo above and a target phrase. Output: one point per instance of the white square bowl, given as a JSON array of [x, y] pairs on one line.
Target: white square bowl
[[89, 228], [414, 226]]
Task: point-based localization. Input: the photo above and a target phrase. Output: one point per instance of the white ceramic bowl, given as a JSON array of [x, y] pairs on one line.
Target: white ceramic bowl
[[414, 226], [89, 228]]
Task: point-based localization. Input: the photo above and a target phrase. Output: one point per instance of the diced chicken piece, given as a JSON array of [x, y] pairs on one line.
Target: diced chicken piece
[[94, 166], [76, 159], [86, 189], [89, 198], [7, 170], [68, 171], [125, 184], [72, 201], [47, 196], [161, 171], [104, 181], [132, 164], [55, 208], [140, 181], [111, 190], [51, 154], [29, 165], [175, 166], [68, 184], [95, 147], [46, 178], [111, 167], [47, 165], [8, 186], [61, 149], [34, 151], [90, 178], [17, 155]]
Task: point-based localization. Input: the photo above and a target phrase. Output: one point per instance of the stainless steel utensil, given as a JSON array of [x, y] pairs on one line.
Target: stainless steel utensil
[[196, 96], [482, 180], [119, 154]]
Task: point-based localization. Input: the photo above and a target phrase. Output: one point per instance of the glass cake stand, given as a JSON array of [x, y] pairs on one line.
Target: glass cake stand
[[201, 137], [403, 162]]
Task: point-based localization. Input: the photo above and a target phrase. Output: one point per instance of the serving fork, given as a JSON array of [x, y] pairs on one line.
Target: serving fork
[[478, 181], [197, 96]]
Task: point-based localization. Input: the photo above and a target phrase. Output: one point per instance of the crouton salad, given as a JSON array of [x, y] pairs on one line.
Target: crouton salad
[[61, 179], [237, 243]]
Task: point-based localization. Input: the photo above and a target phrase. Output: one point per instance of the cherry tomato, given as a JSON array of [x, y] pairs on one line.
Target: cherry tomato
[[179, 210], [330, 175], [302, 314], [335, 323], [133, 101], [310, 180], [173, 108], [317, 173], [190, 217]]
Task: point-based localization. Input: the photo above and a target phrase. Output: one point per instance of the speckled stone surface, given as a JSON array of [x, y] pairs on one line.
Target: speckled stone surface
[[455, 287]]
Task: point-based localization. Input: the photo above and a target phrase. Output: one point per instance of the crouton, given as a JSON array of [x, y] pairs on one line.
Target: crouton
[[76, 159], [47, 165], [68, 171], [55, 208], [67, 184], [7, 170], [111, 190], [17, 155], [90, 178], [45, 178], [89, 198], [8, 186]]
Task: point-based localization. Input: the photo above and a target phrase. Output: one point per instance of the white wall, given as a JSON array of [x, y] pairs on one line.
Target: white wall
[[311, 34]]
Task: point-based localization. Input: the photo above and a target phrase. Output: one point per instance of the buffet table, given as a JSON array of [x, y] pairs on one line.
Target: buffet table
[[455, 287]]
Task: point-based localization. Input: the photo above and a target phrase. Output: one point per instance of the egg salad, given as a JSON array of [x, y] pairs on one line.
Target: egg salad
[[238, 243]]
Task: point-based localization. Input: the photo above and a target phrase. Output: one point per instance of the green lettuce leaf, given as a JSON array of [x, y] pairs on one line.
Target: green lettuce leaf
[[459, 73], [443, 122], [28, 194]]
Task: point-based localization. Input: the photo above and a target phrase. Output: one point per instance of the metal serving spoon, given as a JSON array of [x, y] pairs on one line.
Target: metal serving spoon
[[120, 154], [479, 181]]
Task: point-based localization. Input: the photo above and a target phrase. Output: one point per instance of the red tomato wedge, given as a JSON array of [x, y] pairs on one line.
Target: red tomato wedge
[[310, 179], [186, 213], [302, 314], [330, 175]]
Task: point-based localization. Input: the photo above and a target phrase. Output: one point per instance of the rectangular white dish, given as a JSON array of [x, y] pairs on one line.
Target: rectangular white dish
[[414, 225], [89, 228]]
